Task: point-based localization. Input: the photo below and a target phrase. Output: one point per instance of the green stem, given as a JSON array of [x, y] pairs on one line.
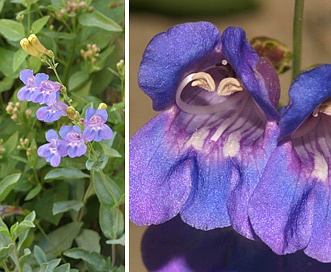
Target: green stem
[[297, 37]]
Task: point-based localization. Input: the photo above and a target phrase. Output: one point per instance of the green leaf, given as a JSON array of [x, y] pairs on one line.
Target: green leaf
[[1, 4], [92, 258], [66, 173], [11, 143], [6, 84], [7, 184], [97, 19], [50, 266], [63, 268], [23, 258], [77, 80], [11, 30], [33, 193], [6, 251], [18, 228], [106, 189], [39, 24], [64, 206], [4, 229], [119, 241], [19, 58], [60, 239], [111, 221], [89, 240], [39, 254]]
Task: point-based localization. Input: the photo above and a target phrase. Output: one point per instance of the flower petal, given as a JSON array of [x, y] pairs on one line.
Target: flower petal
[[160, 177], [308, 90], [261, 83], [280, 208], [172, 54]]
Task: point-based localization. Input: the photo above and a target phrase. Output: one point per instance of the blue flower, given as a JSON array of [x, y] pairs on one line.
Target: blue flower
[[95, 127], [52, 151], [203, 155], [290, 208], [38, 89], [73, 143], [52, 113]]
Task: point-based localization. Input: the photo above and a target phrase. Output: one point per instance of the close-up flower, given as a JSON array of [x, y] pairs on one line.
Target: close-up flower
[[52, 113], [52, 151], [290, 208], [38, 88], [95, 127], [203, 155], [73, 142]]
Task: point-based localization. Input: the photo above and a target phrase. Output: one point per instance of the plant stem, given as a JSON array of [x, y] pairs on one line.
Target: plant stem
[[297, 37]]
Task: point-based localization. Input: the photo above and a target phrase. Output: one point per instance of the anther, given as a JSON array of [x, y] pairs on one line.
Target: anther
[[203, 80], [229, 86]]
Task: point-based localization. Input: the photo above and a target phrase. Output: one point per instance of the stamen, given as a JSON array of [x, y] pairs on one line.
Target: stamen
[[229, 86], [224, 62], [324, 107], [203, 80]]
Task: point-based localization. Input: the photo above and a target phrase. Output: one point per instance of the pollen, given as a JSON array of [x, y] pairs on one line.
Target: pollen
[[203, 80], [229, 86]]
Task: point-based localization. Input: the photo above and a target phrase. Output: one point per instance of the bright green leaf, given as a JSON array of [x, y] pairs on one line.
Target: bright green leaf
[[92, 258], [39, 24], [77, 80], [4, 229], [63, 268], [119, 241], [111, 221], [106, 189], [60, 239], [97, 19], [11, 29], [64, 206], [6, 251], [66, 173], [89, 240], [39, 254], [34, 192], [7, 184], [19, 58], [23, 258], [6, 84]]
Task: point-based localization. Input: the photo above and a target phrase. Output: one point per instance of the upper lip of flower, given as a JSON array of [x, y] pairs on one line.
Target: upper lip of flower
[[202, 49]]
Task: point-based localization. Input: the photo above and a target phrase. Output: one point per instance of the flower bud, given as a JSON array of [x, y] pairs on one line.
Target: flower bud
[[72, 113], [102, 106], [28, 48], [36, 44]]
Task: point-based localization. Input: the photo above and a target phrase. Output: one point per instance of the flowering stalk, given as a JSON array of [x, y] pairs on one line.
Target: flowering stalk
[[297, 37]]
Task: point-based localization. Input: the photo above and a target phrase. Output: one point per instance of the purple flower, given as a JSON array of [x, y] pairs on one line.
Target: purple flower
[[73, 142], [53, 112], [203, 155], [52, 152], [38, 88], [95, 127], [290, 208]]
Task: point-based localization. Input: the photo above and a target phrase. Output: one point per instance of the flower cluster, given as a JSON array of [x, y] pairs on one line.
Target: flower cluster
[[221, 154], [39, 89]]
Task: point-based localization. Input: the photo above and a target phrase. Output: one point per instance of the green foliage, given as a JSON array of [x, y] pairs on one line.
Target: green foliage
[[68, 218]]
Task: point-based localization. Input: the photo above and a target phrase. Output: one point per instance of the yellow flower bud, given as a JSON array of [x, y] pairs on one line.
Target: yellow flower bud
[[102, 106], [28, 48], [72, 113], [36, 44]]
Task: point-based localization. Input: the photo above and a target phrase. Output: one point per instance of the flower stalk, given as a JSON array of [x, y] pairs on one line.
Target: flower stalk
[[297, 37]]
